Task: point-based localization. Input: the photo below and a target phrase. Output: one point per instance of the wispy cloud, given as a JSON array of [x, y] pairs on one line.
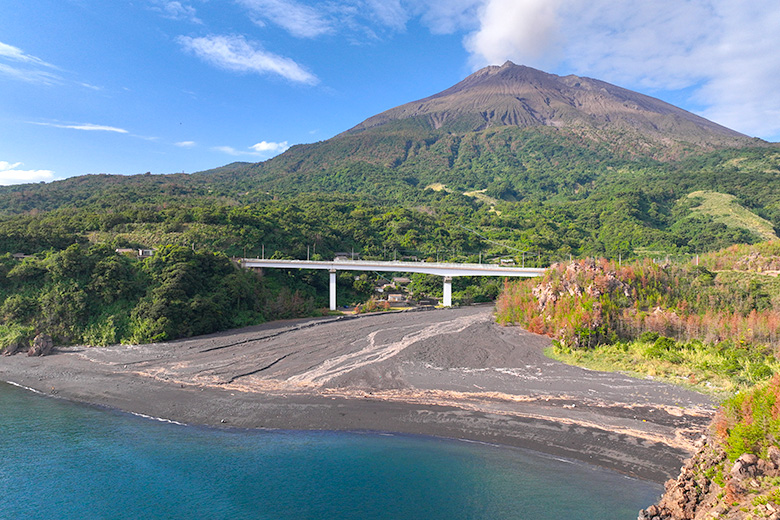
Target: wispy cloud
[[185, 144], [298, 19], [389, 12], [16, 54], [17, 64], [176, 11], [236, 54], [448, 17], [230, 150], [10, 174], [26, 67], [84, 126]]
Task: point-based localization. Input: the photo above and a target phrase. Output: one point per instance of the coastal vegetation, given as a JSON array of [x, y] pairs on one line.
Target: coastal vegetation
[[736, 474], [93, 295], [530, 208], [716, 330], [712, 324]]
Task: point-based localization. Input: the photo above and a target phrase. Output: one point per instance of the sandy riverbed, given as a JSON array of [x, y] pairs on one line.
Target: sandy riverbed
[[451, 373]]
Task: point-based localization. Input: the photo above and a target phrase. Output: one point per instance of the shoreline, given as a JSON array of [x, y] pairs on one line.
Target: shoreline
[[377, 374]]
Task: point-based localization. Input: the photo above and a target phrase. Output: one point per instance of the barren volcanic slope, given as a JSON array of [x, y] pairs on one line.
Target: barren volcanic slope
[[515, 95]]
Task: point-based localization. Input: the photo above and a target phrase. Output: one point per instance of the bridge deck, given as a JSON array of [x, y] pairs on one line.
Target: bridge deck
[[440, 269]]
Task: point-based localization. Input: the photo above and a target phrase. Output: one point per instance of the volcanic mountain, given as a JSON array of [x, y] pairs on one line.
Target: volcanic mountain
[[511, 130], [497, 111], [515, 95]]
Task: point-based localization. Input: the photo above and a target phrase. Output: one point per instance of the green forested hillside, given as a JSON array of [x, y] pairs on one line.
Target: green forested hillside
[[536, 195], [545, 198]]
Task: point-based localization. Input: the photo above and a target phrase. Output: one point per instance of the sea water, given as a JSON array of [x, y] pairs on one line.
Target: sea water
[[60, 460]]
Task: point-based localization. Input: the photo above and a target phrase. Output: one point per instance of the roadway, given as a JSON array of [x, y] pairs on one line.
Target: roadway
[[446, 270]]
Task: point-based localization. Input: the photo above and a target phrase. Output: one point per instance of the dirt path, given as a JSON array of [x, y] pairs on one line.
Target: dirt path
[[452, 373]]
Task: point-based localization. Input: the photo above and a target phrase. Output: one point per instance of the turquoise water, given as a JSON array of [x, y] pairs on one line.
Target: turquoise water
[[60, 460]]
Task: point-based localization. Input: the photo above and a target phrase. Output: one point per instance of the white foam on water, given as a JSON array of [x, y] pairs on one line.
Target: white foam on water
[[33, 390]]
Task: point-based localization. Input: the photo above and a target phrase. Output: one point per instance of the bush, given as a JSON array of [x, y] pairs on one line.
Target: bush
[[19, 308], [749, 422]]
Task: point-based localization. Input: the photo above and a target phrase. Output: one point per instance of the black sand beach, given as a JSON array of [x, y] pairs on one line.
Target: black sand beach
[[450, 373]]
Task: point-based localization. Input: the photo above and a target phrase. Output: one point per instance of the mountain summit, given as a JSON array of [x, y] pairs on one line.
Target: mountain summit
[[515, 95]]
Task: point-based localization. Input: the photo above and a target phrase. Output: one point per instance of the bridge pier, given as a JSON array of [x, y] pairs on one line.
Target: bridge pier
[[448, 271], [447, 300], [332, 289]]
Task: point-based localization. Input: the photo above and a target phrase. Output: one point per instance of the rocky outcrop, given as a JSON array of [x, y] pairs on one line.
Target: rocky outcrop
[[758, 262], [42, 345], [13, 348], [709, 486], [585, 277], [584, 280]]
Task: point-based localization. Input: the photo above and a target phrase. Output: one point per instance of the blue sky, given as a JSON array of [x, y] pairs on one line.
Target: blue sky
[[121, 86]]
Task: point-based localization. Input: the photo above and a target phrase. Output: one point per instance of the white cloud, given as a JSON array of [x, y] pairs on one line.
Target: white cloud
[[236, 54], [514, 27], [185, 144], [176, 11], [10, 175], [85, 126], [722, 51], [29, 75], [25, 66], [16, 54], [265, 147], [298, 19], [262, 149]]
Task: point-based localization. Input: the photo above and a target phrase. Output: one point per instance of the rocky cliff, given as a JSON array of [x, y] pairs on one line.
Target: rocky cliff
[[735, 474]]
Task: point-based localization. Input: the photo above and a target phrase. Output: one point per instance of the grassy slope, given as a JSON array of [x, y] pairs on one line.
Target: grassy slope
[[724, 208]]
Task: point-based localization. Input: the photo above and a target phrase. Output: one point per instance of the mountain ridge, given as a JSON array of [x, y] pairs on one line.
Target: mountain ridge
[[516, 95]]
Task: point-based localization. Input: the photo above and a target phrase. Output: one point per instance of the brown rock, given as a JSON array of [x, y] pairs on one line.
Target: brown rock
[[12, 349], [764, 467], [42, 345], [774, 455], [744, 466]]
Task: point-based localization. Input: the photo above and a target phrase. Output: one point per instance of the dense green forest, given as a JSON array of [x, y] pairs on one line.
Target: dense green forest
[[550, 200], [93, 295], [533, 196]]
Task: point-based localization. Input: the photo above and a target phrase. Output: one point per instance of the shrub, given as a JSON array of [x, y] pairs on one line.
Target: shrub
[[749, 422]]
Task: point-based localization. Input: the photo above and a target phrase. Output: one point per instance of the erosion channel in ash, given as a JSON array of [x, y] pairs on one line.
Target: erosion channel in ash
[[450, 373]]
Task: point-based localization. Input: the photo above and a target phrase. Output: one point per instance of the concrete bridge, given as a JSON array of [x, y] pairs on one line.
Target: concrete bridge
[[448, 271]]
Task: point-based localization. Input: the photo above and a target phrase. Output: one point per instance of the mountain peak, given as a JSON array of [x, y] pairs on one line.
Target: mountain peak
[[521, 96]]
